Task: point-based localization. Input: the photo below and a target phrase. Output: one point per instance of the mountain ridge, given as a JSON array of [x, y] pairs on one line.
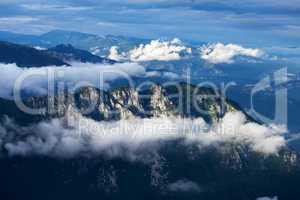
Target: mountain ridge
[[86, 41], [61, 55], [25, 56], [126, 102], [68, 53]]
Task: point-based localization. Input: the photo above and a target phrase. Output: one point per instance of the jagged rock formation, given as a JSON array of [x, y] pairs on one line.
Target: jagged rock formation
[[123, 103]]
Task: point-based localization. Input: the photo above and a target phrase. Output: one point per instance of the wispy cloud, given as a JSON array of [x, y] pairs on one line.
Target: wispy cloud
[[130, 138], [17, 20], [244, 22], [267, 198], [54, 7], [106, 24], [184, 186], [79, 72]]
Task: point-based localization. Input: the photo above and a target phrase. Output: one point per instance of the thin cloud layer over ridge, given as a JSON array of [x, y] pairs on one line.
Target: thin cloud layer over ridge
[[267, 198], [130, 138], [184, 186], [220, 53], [36, 79]]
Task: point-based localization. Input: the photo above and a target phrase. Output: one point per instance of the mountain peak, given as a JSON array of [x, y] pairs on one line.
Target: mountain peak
[[66, 32]]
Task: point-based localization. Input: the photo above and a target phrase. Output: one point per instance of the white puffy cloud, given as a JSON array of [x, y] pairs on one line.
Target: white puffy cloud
[[114, 54], [220, 53], [158, 50], [155, 50], [36, 79], [130, 138]]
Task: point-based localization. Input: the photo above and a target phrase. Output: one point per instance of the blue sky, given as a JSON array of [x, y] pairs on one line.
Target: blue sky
[[247, 22]]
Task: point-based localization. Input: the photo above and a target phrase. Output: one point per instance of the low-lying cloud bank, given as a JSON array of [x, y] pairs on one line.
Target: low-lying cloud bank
[[36, 80], [156, 50], [220, 53], [267, 198], [184, 186], [128, 139]]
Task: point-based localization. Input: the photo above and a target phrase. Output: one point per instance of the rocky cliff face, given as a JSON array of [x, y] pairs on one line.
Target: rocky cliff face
[[123, 103]]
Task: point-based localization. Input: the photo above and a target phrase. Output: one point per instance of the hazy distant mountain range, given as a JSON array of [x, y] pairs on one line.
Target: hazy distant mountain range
[[100, 45]]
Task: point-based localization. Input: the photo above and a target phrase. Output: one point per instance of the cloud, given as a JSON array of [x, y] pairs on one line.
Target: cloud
[[129, 139], [17, 20], [11, 2], [184, 186], [153, 74], [233, 126], [267, 198], [170, 75], [167, 75], [106, 24], [260, 22], [114, 54], [220, 53], [282, 53], [54, 7], [269, 6], [36, 79], [39, 48], [156, 50]]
